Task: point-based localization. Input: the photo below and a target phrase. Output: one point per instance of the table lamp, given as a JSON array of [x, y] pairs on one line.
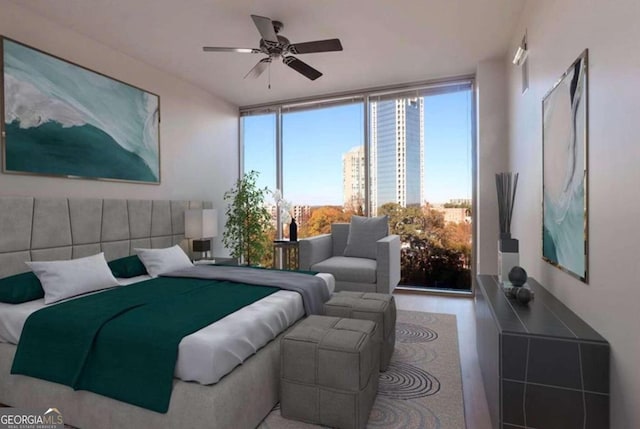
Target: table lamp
[[201, 225]]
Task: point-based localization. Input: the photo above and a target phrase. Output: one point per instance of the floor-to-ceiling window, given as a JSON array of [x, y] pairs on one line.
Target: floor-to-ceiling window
[[323, 165], [421, 169], [406, 154], [258, 133]]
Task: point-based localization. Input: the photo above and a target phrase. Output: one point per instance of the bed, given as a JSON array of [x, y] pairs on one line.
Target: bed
[[48, 229]]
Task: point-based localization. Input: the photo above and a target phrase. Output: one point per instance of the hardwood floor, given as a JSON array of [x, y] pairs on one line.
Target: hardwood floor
[[475, 402]]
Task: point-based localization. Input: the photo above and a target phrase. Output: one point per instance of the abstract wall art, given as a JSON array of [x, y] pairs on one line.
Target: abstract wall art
[[564, 175], [61, 119]]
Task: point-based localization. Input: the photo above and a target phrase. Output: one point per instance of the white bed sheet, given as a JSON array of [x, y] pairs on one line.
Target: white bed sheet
[[212, 352]]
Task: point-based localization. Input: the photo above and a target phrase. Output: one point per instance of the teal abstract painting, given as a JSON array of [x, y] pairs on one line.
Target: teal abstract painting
[[61, 119], [564, 176]]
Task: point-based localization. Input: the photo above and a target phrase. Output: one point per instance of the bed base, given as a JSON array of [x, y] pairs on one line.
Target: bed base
[[242, 399]]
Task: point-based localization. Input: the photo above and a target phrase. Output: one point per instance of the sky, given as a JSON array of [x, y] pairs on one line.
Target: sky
[[315, 140]]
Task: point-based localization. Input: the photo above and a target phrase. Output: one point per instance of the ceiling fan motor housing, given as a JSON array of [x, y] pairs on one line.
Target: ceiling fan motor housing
[[277, 26], [275, 49]]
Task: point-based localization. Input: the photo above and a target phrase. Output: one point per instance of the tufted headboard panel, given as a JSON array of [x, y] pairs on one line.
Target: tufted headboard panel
[[44, 229]]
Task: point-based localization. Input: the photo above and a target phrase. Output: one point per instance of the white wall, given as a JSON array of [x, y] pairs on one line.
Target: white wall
[[492, 153], [558, 31], [198, 132]]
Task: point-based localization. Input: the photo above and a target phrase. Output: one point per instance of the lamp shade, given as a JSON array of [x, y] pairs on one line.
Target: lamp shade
[[201, 223]]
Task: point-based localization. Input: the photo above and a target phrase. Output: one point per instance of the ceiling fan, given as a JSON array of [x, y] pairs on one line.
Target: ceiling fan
[[276, 46]]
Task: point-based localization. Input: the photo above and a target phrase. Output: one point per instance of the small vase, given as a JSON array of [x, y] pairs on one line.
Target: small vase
[[293, 230], [508, 257]]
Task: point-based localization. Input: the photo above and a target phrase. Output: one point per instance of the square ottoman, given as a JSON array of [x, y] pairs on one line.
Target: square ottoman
[[378, 307], [329, 372]]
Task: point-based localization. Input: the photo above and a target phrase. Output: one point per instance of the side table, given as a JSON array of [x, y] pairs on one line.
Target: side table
[[288, 250]]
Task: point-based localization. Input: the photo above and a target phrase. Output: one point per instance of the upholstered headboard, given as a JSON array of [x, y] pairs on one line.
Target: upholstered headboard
[[41, 229]]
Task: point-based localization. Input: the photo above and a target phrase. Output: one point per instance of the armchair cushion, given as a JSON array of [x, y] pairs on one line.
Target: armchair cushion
[[364, 232], [347, 269]]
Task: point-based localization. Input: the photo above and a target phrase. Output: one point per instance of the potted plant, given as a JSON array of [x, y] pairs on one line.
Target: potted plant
[[247, 220]]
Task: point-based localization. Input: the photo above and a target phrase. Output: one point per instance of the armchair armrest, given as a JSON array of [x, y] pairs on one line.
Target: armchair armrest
[[388, 263], [314, 249]]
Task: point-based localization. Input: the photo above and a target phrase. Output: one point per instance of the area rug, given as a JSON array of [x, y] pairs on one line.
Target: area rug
[[422, 389]]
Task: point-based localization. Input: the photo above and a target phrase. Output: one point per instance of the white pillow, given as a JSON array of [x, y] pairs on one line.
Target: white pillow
[[161, 261], [65, 279]]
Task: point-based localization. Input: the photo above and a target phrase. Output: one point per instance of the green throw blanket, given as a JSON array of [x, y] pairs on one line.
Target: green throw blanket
[[123, 343]]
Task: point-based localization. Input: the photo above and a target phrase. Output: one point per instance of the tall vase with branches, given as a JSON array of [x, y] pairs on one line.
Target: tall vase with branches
[[506, 185], [245, 233], [508, 255]]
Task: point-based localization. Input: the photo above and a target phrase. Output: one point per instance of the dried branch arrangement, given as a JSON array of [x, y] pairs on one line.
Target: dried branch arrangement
[[506, 185]]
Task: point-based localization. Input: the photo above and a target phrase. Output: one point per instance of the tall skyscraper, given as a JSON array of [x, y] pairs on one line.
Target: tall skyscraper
[[397, 152], [353, 178]]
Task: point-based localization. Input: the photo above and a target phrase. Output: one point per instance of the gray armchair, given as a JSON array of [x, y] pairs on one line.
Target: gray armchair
[[325, 253]]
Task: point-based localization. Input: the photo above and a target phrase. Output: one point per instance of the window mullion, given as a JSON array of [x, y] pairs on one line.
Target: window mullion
[[279, 174]]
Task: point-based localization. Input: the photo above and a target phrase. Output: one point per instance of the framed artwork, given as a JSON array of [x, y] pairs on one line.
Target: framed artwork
[[564, 173], [62, 119]]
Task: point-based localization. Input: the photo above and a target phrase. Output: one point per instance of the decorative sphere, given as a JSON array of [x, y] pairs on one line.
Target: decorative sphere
[[523, 295], [517, 276]]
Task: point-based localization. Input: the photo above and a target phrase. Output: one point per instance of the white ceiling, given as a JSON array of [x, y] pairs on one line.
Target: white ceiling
[[385, 41]]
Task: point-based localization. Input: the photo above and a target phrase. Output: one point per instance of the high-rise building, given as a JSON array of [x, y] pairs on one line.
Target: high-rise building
[[301, 214], [397, 152], [353, 178]]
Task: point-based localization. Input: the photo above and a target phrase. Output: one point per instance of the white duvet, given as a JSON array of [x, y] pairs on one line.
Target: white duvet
[[212, 352]]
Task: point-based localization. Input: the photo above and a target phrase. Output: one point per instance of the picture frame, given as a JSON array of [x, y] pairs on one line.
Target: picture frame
[[62, 119], [565, 138]]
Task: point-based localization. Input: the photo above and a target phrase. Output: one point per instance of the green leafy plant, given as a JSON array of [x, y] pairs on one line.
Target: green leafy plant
[[248, 220]]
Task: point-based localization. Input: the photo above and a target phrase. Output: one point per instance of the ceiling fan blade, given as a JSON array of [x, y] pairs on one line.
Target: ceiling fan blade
[[259, 68], [265, 27], [302, 67], [238, 50], [328, 45]]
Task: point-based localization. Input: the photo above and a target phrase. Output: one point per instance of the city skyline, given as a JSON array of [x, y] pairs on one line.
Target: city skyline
[[314, 141]]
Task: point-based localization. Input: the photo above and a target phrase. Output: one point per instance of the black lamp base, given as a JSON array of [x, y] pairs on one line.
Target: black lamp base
[[201, 245]]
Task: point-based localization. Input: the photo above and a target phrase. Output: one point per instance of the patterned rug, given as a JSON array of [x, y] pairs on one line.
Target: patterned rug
[[422, 389]]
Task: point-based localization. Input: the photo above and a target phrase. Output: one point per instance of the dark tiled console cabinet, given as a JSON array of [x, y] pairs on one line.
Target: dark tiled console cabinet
[[543, 367]]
